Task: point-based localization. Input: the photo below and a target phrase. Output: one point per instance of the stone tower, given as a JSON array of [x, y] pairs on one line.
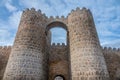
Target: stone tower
[[87, 61], [33, 57], [28, 60]]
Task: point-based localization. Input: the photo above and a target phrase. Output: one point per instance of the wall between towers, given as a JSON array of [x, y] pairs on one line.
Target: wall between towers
[[112, 57], [4, 55], [58, 56]]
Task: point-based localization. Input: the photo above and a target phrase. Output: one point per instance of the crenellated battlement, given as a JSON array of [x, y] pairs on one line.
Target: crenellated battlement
[[110, 49], [34, 11], [65, 19], [4, 55], [5, 47], [5, 51], [52, 18], [81, 10], [58, 45], [57, 18], [112, 58]]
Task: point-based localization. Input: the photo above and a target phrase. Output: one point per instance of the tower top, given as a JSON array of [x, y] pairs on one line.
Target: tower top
[[57, 17]]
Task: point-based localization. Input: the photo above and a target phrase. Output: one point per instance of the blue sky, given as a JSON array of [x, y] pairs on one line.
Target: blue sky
[[106, 15]]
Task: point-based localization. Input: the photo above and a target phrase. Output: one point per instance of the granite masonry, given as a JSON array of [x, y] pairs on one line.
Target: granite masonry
[[33, 57]]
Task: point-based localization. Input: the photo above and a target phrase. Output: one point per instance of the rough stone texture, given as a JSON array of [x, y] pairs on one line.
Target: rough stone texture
[[4, 55], [58, 61], [28, 60], [32, 57], [112, 57], [87, 60]]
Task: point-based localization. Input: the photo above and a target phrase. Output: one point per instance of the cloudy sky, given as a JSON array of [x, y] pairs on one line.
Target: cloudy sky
[[106, 15]]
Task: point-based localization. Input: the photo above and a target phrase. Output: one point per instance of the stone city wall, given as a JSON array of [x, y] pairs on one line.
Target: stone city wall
[[4, 55], [112, 57], [82, 58]]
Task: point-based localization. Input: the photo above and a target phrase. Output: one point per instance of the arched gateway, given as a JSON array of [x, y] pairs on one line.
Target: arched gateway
[[56, 24], [33, 58], [58, 54]]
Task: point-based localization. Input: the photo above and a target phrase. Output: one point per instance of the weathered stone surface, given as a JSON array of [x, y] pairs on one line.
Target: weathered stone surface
[[32, 57], [4, 55], [58, 61], [87, 60], [112, 57], [28, 60]]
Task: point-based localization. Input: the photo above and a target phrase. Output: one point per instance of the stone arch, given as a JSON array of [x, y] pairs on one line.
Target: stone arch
[[56, 23], [60, 24], [55, 64]]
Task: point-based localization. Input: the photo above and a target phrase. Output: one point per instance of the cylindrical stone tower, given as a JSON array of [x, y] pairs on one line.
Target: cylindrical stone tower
[[28, 60], [87, 61]]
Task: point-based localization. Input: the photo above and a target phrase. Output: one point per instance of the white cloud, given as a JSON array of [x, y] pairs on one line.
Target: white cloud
[[10, 7], [4, 32], [5, 37], [37, 4], [8, 28], [49, 7], [112, 43], [14, 19]]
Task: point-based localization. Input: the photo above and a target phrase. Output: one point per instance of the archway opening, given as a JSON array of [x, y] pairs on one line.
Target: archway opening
[[59, 77], [57, 33]]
